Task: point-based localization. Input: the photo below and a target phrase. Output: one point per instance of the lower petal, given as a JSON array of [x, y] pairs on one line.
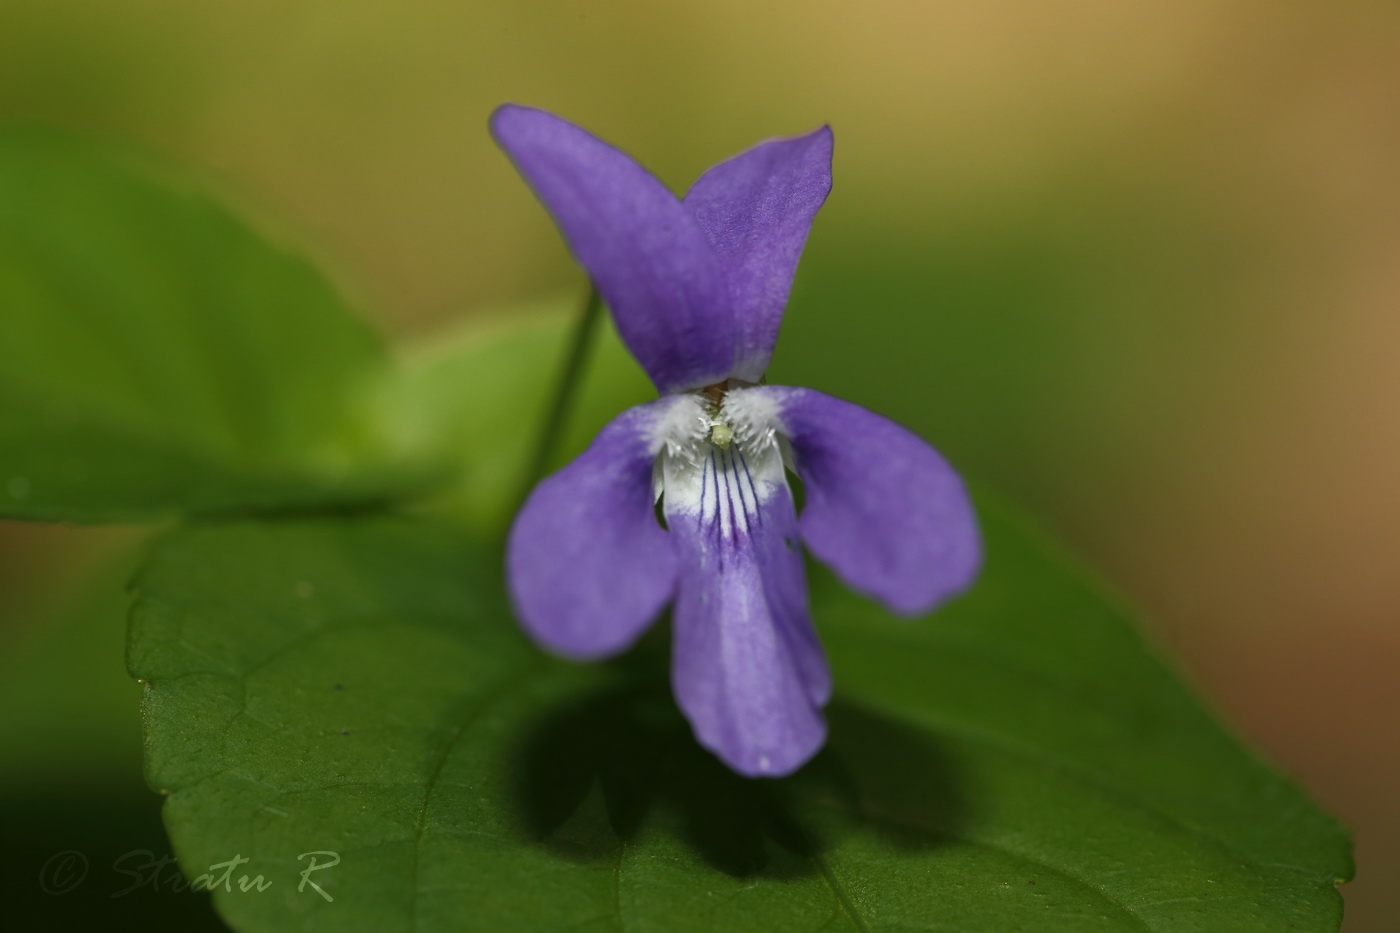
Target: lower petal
[[748, 671], [587, 563]]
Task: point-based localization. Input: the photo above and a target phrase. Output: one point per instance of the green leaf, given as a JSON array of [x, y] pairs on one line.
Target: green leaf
[[158, 355], [1018, 761]]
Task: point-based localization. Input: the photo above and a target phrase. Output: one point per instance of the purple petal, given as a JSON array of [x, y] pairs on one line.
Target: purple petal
[[883, 508], [648, 257], [587, 563], [785, 588], [747, 669], [756, 209]]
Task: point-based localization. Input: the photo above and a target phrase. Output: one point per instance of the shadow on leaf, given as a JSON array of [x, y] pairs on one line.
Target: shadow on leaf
[[597, 772]]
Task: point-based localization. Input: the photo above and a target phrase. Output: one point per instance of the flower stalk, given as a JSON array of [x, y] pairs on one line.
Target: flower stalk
[[565, 390]]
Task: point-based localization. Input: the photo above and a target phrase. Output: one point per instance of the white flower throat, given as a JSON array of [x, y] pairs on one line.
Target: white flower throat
[[721, 457]]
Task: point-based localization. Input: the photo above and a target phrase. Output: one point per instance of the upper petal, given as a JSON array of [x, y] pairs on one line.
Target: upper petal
[[748, 671], [646, 254], [587, 563], [756, 209], [882, 507]]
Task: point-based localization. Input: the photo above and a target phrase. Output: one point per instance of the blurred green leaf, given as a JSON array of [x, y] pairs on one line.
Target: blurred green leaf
[[473, 402], [1017, 762], [158, 355]]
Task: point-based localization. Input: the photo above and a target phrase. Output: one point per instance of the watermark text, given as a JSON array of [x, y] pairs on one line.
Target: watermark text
[[142, 869]]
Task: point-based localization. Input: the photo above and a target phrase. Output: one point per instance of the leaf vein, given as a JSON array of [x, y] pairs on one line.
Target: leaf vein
[[502, 690]]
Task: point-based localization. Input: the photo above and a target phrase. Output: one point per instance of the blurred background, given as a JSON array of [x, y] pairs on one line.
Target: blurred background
[[1138, 266]]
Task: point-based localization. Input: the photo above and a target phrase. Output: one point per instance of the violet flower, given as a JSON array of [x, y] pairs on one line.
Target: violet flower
[[697, 288]]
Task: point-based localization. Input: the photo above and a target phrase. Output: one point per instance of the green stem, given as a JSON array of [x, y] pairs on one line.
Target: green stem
[[567, 388]]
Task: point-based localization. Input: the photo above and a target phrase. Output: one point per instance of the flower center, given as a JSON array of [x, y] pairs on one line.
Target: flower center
[[713, 396], [721, 457]]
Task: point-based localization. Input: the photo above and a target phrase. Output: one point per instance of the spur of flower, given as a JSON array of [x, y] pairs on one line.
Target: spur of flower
[[697, 288]]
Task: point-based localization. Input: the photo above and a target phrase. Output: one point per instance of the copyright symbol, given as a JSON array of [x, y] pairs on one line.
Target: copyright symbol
[[63, 872]]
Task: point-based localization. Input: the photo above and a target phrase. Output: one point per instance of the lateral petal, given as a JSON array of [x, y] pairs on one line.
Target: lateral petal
[[883, 508], [587, 564]]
